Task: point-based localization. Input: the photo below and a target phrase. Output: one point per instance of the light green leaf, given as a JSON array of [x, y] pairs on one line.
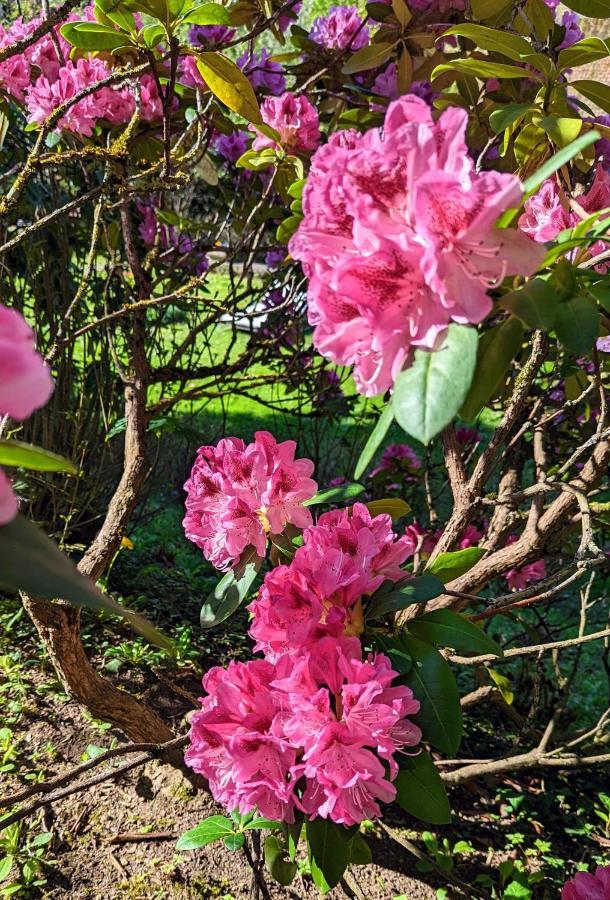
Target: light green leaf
[[502, 118], [448, 566], [26, 456], [391, 507], [336, 494], [420, 790], [31, 562], [206, 14], [428, 394], [512, 45], [560, 159], [375, 439], [93, 36], [449, 629], [215, 828], [484, 69], [594, 9], [582, 53]]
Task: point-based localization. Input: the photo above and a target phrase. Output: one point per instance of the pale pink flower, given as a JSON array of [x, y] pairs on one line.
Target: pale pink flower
[[341, 28], [545, 214], [25, 380], [397, 240], [345, 556], [295, 120], [588, 886], [238, 494]]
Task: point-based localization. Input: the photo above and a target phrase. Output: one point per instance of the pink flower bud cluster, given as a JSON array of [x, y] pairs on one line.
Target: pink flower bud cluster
[[588, 885], [25, 385], [315, 726], [398, 240]]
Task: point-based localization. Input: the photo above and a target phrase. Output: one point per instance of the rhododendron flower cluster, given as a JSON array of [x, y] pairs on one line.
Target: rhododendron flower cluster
[[548, 212], [398, 458], [343, 27], [264, 74], [348, 554], [238, 494], [398, 240], [313, 732], [588, 886], [295, 120], [25, 385]]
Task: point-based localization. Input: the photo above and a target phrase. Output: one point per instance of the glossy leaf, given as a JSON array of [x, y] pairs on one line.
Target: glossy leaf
[[280, 869], [93, 36], [215, 828], [336, 494], [577, 323], [535, 304], [448, 566], [229, 84], [449, 629], [432, 682], [329, 852], [415, 590], [420, 789], [428, 394], [375, 440], [489, 9], [583, 53], [26, 456], [206, 14], [361, 852], [31, 562], [502, 118], [391, 507], [369, 57], [231, 591], [394, 649], [484, 69], [512, 45], [497, 348]]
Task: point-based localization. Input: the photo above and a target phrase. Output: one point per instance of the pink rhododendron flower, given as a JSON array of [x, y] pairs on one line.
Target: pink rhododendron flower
[[325, 721], [345, 556], [235, 741], [25, 380], [189, 73], [588, 886], [295, 120], [238, 494], [545, 215], [397, 458], [152, 105], [397, 240], [341, 28], [25, 385], [518, 579]]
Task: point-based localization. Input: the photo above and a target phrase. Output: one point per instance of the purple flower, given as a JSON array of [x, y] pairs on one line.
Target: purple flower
[[275, 257], [202, 35], [263, 73], [603, 344], [232, 146], [570, 21], [341, 28]]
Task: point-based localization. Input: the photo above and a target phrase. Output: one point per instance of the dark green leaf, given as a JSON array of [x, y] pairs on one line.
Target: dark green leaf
[[450, 629], [448, 566], [432, 682], [512, 45], [420, 790], [500, 119], [490, 9], [497, 349], [31, 562], [336, 495], [415, 590], [430, 392], [281, 869], [361, 852], [261, 822], [231, 591], [375, 438], [329, 852], [26, 456], [577, 324], [369, 57], [535, 304], [393, 648], [212, 829]]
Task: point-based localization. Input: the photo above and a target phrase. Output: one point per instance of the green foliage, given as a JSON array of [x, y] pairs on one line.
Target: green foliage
[[231, 590], [450, 565], [420, 789], [374, 442]]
